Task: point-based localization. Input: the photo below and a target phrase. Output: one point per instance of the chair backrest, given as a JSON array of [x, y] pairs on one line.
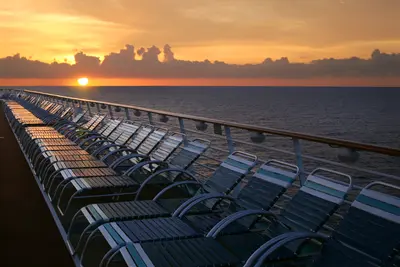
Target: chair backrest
[[31, 99], [104, 125], [47, 106], [140, 136], [265, 187], [370, 231], [316, 201], [55, 109], [78, 117], [128, 129], [167, 147], [230, 172], [152, 141], [87, 124], [66, 113], [42, 103], [185, 157], [97, 122], [51, 107], [112, 126], [39, 102]]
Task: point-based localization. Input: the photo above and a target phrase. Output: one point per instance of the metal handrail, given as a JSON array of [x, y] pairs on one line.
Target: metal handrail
[[295, 135]]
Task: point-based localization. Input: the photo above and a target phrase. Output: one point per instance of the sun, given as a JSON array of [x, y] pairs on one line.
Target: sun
[[83, 81]]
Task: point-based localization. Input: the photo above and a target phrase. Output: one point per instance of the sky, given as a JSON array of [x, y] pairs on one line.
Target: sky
[[260, 42]]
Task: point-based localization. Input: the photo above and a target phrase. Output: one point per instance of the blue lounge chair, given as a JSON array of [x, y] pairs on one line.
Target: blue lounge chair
[[78, 187], [368, 235], [261, 192], [143, 151], [308, 210]]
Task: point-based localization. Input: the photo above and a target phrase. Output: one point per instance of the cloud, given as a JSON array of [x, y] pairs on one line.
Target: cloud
[[168, 54], [125, 64]]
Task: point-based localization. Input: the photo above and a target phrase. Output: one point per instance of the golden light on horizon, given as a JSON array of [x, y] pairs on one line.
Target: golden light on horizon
[[83, 81]]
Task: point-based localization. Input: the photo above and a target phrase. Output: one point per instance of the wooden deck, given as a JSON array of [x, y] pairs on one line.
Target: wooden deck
[[28, 233]]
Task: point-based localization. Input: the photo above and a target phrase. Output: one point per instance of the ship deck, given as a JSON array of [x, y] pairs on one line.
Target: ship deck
[[28, 232], [33, 229]]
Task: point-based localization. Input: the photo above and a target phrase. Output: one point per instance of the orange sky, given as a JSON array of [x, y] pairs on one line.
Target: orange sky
[[234, 31]]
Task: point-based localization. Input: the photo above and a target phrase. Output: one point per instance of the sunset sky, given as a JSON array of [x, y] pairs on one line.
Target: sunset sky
[[232, 31]]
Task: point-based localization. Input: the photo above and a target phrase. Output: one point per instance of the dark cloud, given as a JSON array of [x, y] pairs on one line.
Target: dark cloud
[[168, 54], [87, 65], [124, 64]]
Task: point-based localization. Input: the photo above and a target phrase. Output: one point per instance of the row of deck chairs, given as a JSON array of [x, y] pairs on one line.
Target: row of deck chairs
[[126, 198]]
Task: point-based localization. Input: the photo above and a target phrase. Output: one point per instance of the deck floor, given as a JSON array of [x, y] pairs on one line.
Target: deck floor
[[28, 233]]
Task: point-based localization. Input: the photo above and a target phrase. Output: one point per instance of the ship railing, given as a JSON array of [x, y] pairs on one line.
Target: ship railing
[[364, 162]]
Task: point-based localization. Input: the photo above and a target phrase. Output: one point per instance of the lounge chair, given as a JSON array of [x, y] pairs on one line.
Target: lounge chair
[[368, 235], [119, 136], [104, 131], [308, 210], [262, 190], [108, 126], [74, 188], [170, 144]]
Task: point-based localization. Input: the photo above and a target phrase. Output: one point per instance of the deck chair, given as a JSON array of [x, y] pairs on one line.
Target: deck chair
[[171, 143], [91, 125], [54, 111], [133, 162], [83, 124], [145, 140], [308, 210], [73, 170], [107, 127], [20, 118], [180, 160], [224, 179], [76, 120], [70, 128], [183, 159], [68, 187], [162, 158], [105, 131], [58, 139], [45, 109], [50, 157], [368, 235], [64, 114], [261, 191], [121, 136]]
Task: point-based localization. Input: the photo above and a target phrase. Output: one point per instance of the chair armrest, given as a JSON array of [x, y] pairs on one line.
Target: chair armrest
[[133, 168], [221, 225], [263, 252], [148, 179], [159, 195], [184, 209]]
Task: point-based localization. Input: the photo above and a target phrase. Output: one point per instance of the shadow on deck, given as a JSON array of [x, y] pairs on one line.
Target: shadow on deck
[[28, 233]]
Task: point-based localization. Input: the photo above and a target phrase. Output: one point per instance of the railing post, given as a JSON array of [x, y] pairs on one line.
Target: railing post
[[182, 128], [150, 116], [299, 160], [110, 111], [98, 107], [229, 140], [88, 107], [128, 117]]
